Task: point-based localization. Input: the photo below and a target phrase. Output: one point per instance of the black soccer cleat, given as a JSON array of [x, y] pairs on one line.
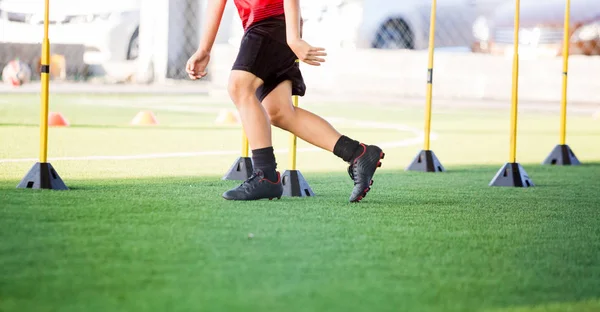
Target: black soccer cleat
[[255, 188], [362, 169]]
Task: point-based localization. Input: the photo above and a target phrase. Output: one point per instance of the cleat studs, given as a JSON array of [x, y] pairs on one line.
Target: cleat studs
[[378, 164], [382, 155], [371, 183]]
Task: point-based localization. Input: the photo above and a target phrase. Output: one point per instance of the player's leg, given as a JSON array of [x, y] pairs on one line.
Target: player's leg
[[246, 77], [255, 121], [304, 124], [242, 91], [363, 159], [256, 124], [265, 182]]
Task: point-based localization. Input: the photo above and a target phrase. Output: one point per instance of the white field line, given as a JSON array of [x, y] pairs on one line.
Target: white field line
[[418, 139], [198, 108]]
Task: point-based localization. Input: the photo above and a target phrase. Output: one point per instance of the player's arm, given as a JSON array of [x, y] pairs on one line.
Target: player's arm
[[292, 19], [304, 51], [196, 65], [214, 15]]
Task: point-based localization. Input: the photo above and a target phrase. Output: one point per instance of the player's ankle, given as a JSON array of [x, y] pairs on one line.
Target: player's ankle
[[271, 175], [264, 160], [360, 150], [347, 148]]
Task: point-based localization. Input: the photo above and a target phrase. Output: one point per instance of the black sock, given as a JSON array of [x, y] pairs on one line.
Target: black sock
[[264, 160], [347, 149]]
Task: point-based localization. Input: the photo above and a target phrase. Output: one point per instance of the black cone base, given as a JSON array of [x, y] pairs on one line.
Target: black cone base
[[294, 184], [512, 174], [562, 155], [426, 161], [241, 169], [42, 176]]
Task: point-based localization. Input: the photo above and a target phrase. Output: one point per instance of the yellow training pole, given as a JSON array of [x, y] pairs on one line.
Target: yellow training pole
[[512, 173], [430, 75], [242, 167], [426, 161], [294, 184], [245, 145], [563, 112], [42, 175], [45, 87], [293, 143], [293, 138], [562, 154], [515, 87]]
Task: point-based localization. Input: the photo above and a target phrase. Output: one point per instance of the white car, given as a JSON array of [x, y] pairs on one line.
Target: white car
[[108, 29], [392, 24]]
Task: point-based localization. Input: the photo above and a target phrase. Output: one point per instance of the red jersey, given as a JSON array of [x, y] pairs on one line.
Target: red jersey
[[253, 11]]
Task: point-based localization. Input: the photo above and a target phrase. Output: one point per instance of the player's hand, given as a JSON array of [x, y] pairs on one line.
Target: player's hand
[[196, 65], [307, 53]]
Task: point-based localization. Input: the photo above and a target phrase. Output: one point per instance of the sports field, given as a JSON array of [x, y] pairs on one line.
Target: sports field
[[144, 226]]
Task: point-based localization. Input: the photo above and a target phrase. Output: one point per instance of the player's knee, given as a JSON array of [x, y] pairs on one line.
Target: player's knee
[[279, 117], [240, 89], [275, 116]]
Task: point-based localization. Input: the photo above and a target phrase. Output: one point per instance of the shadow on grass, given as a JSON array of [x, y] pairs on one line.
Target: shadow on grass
[[461, 185], [79, 187], [439, 240], [527, 166], [435, 233], [542, 176], [583, 305], [590, 164], [8, 186], [330, 189]]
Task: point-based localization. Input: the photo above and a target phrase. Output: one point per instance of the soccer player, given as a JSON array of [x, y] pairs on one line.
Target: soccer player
[[263, 79]]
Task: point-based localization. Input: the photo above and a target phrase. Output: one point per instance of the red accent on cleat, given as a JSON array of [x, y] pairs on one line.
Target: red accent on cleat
[[361, 154], [276, 182], [382, 156], [379, 164]]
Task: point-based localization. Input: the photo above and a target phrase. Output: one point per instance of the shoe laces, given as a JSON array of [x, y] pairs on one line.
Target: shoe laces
[[351, 171], [255, 175], [352, 166]]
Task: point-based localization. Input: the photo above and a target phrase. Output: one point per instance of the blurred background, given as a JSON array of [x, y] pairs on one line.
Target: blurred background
[[376, 47]]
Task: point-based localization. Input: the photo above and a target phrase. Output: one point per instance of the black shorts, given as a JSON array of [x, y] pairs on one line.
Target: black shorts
[[264, 52]]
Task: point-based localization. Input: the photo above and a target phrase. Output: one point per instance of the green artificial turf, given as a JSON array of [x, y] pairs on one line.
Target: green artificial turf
[[154, 234]]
